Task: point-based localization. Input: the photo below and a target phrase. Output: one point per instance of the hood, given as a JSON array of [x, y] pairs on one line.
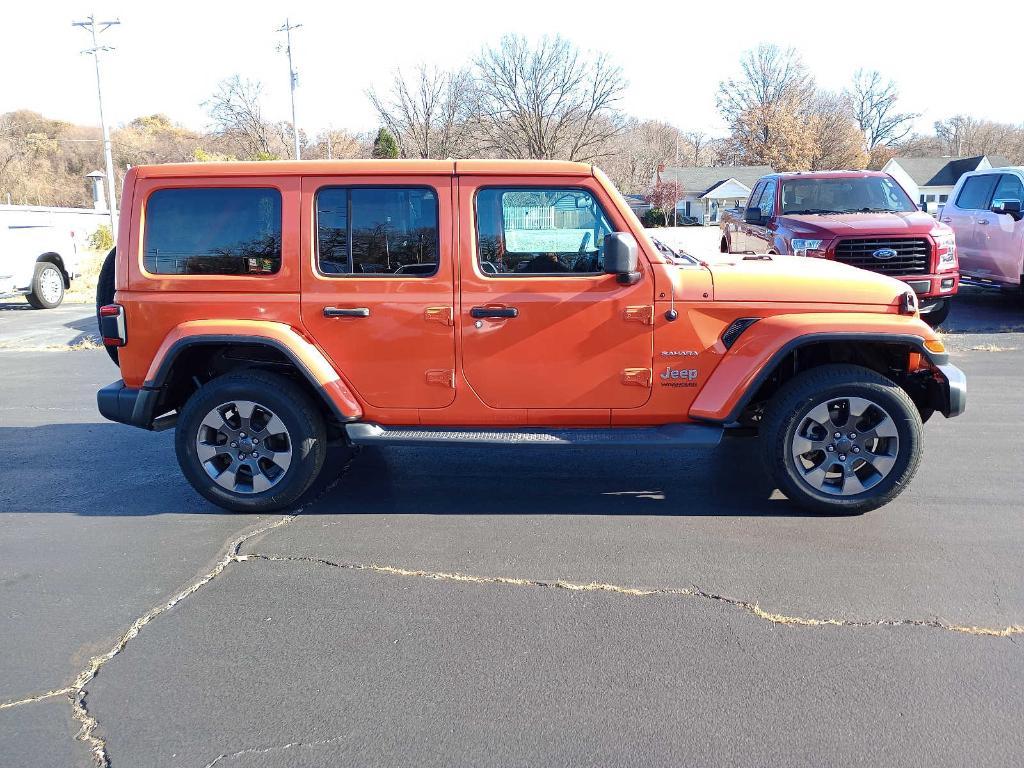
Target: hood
[[798, 279], [854, 224]]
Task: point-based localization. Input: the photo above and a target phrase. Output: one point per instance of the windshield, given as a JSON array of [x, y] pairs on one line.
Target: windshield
[[868, 194]]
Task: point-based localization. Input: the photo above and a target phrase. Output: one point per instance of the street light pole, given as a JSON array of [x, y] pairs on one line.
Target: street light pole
[[90, 25], [294, 78]]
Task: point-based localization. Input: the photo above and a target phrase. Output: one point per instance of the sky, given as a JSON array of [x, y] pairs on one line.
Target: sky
[[170, 55]]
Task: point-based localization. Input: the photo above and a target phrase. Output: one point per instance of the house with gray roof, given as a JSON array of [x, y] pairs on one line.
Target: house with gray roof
[[711, 190], [930, 180]]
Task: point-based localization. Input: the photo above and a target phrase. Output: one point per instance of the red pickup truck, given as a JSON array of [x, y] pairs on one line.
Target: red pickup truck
[[861, 218]]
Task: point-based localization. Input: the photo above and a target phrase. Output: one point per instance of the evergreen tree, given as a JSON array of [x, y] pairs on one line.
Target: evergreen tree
[[385, 146]]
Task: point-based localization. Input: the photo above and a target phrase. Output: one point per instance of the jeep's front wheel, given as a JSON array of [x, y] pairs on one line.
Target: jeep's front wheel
[[842, 439], [250, 441]]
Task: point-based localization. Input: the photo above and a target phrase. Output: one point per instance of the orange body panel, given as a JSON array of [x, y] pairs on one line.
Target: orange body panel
[[740, 365], [584, 350]]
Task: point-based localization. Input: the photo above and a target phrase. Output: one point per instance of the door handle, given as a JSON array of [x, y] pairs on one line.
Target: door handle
[[479, 312], [353, 312], [946, 220], [983, 222]]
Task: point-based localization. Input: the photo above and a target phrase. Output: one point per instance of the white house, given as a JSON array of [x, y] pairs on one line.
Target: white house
[[709, 191], [930, 180]]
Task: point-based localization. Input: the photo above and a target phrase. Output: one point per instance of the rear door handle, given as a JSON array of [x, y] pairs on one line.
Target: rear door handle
[[346, 312], [946, 220], [479, 312]]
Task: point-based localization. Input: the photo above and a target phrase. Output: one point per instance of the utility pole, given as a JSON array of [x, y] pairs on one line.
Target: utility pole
[[90, 25], [294, 77]]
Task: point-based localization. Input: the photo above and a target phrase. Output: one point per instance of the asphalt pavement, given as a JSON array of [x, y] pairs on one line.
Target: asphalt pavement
[[531, 607]]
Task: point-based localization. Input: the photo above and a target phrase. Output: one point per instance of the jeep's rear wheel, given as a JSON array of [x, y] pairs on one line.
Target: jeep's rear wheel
[[842, 439], [250, 442]]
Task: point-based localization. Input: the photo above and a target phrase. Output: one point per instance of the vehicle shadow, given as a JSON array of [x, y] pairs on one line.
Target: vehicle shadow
[[978, 309], [103, 469]]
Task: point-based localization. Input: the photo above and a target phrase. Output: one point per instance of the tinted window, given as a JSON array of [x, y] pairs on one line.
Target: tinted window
[[377, 231], [1008, 188], [767, 201], [213, 231], [539, 231], [844, 195], [755, 196], [976, 192]]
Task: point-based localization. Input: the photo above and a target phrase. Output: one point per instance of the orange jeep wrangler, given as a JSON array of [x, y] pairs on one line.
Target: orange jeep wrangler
[[266, 310]]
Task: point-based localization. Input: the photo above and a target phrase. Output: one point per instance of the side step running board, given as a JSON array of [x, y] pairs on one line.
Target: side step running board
[[687, 435]]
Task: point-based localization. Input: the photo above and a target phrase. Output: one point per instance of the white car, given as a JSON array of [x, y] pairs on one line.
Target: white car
[[38, 260]]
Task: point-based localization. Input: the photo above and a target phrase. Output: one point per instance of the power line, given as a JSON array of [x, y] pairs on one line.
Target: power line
[[294, 79], [96, 28]]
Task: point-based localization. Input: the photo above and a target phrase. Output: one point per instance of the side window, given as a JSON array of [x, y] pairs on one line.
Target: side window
[[213, 231], [1008, 188], [754, 200], [767, 201], [379, 231], [976, 192], [539, 232]]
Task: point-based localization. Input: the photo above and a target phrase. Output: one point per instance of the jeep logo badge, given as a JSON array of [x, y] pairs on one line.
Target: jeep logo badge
[[884, 254]]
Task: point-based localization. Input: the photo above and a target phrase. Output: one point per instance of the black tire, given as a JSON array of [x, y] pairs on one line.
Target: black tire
[[724, 245], [105, 294], [937, 316], [788, 410], [301, 418], [44, 271]]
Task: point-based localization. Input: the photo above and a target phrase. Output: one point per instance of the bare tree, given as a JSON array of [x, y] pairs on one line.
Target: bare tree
[[872, 103], [433, 115], [772, 78], [236, 116], [642, 146], [768, 108], [837, 140], [547, 101]]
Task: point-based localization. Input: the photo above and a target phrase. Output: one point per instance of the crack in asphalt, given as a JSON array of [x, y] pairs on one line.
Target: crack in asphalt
[[76, 692], [695, 592], [278, 748], [77, 695]]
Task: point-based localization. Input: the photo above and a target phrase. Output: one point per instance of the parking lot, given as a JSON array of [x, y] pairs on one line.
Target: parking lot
[[515, 608]]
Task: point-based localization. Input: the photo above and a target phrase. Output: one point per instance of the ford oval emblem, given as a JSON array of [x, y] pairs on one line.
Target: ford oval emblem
[[884, 254]]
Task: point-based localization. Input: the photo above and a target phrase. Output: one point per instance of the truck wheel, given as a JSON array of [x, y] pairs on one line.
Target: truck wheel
[[841, 439], [724, 245], [250, 441], [105, 294], [47, 289], [937, 316]]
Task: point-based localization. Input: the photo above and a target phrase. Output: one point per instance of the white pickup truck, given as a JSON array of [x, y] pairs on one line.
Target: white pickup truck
[[37, 259]]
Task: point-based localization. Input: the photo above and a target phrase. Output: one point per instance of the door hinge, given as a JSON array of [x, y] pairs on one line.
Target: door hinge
[[637, 377], [442, 315], [441, 377], [643, 314]]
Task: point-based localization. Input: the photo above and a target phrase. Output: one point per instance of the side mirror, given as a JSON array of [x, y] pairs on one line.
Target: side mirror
[[621, 257], [753, 216], [1010, 207]]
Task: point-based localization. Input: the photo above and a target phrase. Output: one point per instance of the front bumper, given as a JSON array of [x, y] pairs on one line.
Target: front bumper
[[949, 392], [936, 286]]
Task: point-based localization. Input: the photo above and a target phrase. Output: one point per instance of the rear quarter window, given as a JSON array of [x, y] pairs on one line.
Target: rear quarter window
[[213, 231]]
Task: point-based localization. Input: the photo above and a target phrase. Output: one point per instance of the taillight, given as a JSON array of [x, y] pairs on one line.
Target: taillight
[[112, 325]]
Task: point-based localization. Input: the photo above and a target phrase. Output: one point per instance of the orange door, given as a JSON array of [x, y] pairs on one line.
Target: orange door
[[542, 326], [378, 285]]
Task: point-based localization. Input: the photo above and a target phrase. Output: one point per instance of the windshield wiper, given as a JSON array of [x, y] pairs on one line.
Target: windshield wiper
[[870, 210], [807, 211]]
